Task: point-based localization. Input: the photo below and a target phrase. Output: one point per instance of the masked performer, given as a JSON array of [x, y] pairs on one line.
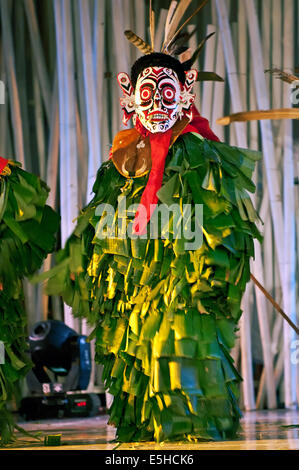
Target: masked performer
[[27, 235], [165, 307]]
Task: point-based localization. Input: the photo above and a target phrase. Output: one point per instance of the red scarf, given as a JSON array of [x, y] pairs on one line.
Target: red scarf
[[3, 163], [159, 149]]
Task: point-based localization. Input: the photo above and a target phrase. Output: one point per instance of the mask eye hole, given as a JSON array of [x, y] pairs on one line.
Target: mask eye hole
[[146, 93], [168, 94]]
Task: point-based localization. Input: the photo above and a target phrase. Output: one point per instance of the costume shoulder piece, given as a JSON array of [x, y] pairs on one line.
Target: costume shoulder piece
[[131, 151]]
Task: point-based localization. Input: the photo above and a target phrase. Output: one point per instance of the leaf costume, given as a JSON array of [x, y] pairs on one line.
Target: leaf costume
[[165, 313], [27, 235], [165, 317]]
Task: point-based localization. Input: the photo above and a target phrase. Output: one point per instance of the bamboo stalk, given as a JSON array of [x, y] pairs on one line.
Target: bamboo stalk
[[53, 146], [40, 62], [277, 85], [289, 249], [236, 103], [140, 27], [219, 90], [121, 63], [12, 84], [22, 72], [100, 68], [40, 135], [67, 113], [275, 345], [92, 112], [52, 173], [266, 130], [81, 113], [196, 88], [4, 131], [233, 139], [257, 267], [207, 87], [266, 8], [160, 30], [246, 357], [242, 141], [272, 176]]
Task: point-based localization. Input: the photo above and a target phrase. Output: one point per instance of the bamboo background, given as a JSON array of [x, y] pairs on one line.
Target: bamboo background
[[59, 61]]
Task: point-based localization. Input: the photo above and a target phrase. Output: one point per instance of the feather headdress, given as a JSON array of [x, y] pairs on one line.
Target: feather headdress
[[175, 40]]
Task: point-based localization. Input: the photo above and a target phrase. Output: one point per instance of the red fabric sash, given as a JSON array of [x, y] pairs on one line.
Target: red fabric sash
[[3, 163], [159, 150]]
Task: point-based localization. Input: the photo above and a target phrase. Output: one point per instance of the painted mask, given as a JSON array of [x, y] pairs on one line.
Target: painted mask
[[157, 98]]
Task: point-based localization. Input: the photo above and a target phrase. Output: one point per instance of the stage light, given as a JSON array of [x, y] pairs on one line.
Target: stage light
[[60, 352]]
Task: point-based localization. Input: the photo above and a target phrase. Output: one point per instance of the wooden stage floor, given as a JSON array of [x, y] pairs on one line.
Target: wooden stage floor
[[261, 430]]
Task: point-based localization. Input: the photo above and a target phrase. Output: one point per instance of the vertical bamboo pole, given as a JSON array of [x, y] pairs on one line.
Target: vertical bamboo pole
[[245, 337], [257, 269], [92, 112], [289, 300], [270, 164], [53, 146], [140, 16], [242, 339], [39, 127], [160, 29], [245, 348], [4, 130], [100, 69], [12, 83], [81, 110], [52, 173], [121, 63], [241, 41], [22, 69], [40, 62], [266, 9], [276, 102], [242, 141], [262, 310], [231, 66], [209, 63], [219, 90], [196, 89], [266, 129], [277, 85], [67, 115], [254, 144]]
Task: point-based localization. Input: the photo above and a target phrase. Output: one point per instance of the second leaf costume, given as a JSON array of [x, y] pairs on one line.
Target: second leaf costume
[[165, 316], [27, 235]]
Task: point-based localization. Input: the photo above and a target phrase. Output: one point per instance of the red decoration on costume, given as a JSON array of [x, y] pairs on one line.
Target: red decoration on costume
[[3, 163], [159, 149], [200, 125], [140, 128]]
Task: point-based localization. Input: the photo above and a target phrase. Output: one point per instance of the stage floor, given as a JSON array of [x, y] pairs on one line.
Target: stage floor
[[261, 430]]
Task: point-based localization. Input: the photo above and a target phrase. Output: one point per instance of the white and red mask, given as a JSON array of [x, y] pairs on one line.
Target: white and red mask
[[159, 100]]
